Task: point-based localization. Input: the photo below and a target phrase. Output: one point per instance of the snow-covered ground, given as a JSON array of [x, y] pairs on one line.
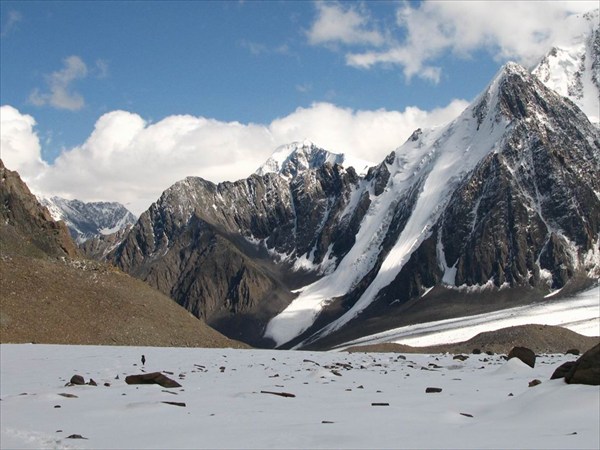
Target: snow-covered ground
[[341, 400], [580, 313]]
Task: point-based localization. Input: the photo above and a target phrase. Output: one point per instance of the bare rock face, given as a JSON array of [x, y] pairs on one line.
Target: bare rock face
[[23, 218]]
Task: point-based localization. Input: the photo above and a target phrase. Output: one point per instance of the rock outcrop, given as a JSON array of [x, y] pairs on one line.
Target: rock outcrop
[[27, 225]]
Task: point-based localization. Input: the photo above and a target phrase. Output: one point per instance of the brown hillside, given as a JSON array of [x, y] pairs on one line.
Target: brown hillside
[[82, 302], [47, 296]]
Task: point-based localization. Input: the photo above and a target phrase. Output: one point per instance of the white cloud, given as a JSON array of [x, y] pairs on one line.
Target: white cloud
[[101, 68], [11, 23], [20, 148], [343, 24], [520, 31], [368, 135], [129, 160], [60, 94]]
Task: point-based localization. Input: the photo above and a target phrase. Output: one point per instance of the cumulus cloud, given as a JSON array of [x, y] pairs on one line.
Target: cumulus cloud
[[130, 160], [59, 94], [425, 32], [343, 24], [20, 148]]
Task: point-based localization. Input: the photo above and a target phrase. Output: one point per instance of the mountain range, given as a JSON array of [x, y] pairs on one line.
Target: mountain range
[[498, 207]]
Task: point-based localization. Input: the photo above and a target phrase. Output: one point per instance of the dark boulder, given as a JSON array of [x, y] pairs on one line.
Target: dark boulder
[[77, 380], [433, 390], [524, 354], [152, 378], [586, 369], [562, 370]]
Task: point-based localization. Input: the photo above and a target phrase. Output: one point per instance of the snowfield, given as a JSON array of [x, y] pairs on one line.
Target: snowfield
[[341, 400]]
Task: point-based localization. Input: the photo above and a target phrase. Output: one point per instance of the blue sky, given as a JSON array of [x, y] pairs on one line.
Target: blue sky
[[249, 62], [190, 85]]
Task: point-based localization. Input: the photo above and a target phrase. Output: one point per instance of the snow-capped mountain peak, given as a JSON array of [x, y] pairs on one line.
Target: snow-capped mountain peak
[[438, 179], [291, 159], [86, 220], [573, 69]]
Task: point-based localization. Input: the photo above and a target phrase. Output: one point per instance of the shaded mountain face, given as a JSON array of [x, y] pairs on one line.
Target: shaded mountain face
[[89, 220], [26, 225], [506, 198]]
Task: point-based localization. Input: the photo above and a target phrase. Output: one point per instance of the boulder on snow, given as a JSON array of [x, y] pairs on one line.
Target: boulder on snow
[[152, 378], [433, 390], [586, 369], [562, 370], [77, 380], [524, 354]]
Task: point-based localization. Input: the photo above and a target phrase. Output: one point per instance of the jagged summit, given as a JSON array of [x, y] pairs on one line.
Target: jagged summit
[[290, 159], [573, 69]]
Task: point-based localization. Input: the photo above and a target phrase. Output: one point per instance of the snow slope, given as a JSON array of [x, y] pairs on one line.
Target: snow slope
[[335, 403], [580, 313]]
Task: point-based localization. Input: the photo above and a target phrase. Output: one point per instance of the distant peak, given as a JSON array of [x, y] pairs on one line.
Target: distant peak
[[291, 159]]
